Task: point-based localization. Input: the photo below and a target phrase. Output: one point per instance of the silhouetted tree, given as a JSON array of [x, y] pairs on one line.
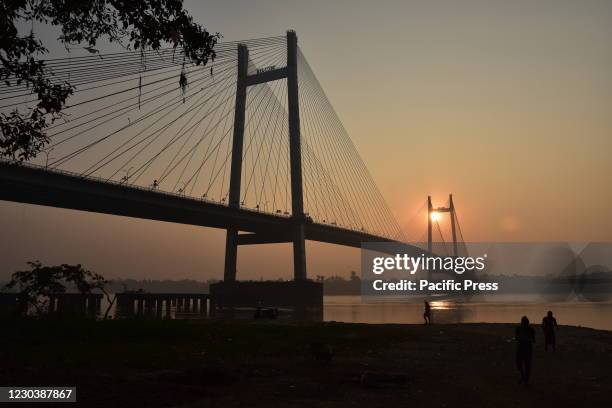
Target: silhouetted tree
[[135, 24], [37, 284]]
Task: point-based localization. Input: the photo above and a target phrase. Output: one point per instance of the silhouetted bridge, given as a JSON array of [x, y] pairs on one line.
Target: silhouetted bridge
[[250, 144], [35, 185]]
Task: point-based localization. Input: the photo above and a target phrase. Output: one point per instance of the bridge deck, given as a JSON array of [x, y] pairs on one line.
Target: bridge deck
[[40, 186]]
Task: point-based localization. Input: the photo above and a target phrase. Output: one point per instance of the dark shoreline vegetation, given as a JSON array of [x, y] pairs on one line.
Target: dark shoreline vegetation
[[159, 363]]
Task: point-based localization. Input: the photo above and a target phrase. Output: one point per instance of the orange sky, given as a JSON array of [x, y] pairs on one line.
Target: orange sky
[[504, 104]]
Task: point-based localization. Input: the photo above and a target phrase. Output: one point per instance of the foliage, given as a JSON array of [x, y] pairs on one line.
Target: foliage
[[337, 285], [135, 24], [39, 283]]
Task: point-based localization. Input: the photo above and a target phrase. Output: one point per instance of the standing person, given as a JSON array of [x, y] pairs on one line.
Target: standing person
[[549, 325], [427, 313], [525, 337]]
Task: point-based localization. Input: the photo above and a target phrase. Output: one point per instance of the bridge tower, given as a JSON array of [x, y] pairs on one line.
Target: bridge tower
[[296, 235], [434, 212]]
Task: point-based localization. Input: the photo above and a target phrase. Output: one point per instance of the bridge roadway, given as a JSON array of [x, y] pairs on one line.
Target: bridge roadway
[[36, 185]]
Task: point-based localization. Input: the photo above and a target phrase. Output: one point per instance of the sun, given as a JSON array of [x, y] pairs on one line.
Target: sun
[[435, 216]]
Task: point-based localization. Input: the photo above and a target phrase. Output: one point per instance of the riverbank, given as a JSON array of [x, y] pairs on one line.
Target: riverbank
[[257, 363]]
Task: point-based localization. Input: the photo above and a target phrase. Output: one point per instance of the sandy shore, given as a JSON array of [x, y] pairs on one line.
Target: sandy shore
[[237, 364]]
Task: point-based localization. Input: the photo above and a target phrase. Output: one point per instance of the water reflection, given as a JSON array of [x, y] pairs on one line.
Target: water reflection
[[350, 309]]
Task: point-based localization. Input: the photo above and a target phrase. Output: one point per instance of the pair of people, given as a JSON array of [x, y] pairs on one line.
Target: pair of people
[[525, 337]]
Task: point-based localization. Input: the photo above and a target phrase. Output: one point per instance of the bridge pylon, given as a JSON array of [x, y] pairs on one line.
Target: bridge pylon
[[296, 235], [433, 213]]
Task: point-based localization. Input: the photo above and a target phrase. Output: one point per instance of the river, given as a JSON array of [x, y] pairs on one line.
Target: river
[[351, 309]]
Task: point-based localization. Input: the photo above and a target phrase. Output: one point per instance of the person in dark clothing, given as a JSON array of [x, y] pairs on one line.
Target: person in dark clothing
[[549, 325], [525, 337], [427, 313]]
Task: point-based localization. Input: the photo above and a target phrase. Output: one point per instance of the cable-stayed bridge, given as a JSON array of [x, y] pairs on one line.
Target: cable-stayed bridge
[[249, 143]]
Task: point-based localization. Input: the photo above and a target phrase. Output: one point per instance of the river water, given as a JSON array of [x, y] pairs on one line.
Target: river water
[[351, 309], [354, 309]]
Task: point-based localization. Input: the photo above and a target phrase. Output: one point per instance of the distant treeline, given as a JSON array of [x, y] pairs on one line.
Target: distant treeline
[[597, 282], [160, 286], [339, 286], [334, 285], [149, 286]]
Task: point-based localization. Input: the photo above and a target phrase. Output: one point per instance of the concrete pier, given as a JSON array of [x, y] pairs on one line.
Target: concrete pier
[[164, 305]]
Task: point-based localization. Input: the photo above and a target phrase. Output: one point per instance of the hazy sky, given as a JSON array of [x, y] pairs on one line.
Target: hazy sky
[[506, 104]]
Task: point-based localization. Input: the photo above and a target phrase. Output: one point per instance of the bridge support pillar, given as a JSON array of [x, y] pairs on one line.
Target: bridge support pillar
[[429, 224], [231, 241], [453, 218], [451, 208], [295, 156], [299, 254], [231, 255], [429, 233]]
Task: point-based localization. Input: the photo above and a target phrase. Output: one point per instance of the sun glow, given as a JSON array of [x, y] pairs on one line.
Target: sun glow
[[435, 216]]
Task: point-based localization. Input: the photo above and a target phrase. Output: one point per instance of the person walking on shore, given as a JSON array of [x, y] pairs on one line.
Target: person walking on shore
[[525, 337], [427, 313], [549, 325]]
